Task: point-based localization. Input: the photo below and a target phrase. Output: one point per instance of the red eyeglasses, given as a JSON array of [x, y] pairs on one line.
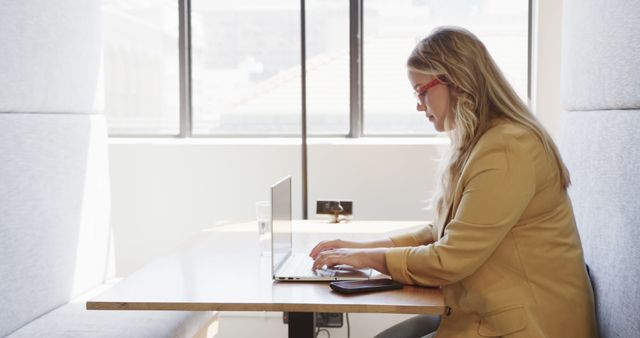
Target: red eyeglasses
[[422, 90]]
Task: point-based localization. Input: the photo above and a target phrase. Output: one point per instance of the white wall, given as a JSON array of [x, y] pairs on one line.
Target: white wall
[[547, 55], [165, 191]]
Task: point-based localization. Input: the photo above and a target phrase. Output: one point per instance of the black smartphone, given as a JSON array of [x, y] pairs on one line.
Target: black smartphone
[[369, 285]]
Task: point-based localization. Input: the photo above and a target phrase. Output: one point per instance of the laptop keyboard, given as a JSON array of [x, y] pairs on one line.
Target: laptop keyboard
[[300, 265]]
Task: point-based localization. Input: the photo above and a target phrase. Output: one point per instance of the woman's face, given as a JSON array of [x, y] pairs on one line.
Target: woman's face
[[435, 101]]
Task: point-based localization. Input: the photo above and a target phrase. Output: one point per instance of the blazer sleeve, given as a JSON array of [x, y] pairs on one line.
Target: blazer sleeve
[[498, 184], [421, 236]]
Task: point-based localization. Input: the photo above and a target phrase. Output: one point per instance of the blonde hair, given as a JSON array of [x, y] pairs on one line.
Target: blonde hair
[[482, 96]]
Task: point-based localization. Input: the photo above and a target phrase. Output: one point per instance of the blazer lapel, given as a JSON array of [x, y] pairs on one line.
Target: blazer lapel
[[451, 210], [442, 221]]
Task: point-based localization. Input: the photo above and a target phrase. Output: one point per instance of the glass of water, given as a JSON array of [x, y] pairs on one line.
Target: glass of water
[[263, 216]]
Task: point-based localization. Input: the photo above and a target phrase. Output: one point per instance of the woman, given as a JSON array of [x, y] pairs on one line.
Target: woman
[[504, 245]]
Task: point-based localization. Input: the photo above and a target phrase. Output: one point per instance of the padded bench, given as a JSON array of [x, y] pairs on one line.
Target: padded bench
[[73, 320], [55, 235]]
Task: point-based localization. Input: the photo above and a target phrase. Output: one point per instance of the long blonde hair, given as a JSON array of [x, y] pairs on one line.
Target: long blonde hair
[[482, 95]]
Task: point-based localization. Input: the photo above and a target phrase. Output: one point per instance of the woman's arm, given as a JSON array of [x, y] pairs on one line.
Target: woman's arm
[[422, 236], [366, 254], [499, 183], [374, 258], [339, 244]]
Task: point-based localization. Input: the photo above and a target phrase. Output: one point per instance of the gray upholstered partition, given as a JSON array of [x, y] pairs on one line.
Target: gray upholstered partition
[[54, 199], [600, 141]]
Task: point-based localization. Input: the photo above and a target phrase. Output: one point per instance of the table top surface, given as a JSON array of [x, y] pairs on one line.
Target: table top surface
[[223, 270]]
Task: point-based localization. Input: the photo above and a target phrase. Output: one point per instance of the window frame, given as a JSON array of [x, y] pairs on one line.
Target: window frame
[[356, 113]]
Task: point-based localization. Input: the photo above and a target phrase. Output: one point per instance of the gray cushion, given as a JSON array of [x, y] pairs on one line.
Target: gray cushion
[[600, 149], [54, 206], [601, 45], [50, 55], [73, 320]]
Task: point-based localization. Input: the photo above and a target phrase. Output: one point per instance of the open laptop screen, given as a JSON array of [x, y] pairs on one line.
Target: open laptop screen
[[281, 221]]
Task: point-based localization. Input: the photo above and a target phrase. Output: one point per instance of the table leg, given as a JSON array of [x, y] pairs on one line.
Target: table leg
[[302, 324]]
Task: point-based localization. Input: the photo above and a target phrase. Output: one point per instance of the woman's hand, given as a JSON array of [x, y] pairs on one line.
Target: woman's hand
[[342, 244], [357, 258], [331, 245]]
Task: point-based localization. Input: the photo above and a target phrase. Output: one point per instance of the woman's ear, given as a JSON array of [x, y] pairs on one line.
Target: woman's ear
[[454, 91]]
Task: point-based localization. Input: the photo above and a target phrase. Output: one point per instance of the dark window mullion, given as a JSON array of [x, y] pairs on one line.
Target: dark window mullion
[[184, 49], [355, 68], [303, 64], [530, 50]]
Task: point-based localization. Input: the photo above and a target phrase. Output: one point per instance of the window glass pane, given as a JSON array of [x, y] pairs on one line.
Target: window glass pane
[[246, 67], [391, 30], [141, 80], [327, 28]]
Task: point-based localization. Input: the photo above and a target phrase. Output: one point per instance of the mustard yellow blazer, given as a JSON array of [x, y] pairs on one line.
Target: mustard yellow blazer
[[508, 255]]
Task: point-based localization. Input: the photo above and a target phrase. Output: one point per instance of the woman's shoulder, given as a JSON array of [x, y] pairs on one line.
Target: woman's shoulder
[[509, 138], [505, 133], [509, 129]]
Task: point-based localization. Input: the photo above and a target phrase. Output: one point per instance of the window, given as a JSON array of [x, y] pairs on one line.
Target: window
[[246, 67], [245, 72], [391, 30], [140, 60], [327, 41]]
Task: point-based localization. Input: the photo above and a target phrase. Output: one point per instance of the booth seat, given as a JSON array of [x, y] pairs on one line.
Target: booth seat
[[599, 142]]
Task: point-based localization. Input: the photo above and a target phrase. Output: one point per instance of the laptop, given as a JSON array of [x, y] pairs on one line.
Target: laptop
[[287, 265]]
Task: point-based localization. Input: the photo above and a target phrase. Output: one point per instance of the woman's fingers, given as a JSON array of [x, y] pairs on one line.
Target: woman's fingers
[[323, 246], [335, 257], [322, 259], [357, 258], [317, 249]]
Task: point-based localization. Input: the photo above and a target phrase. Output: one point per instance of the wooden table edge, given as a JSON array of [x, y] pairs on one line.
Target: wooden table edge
[[351, 308]]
